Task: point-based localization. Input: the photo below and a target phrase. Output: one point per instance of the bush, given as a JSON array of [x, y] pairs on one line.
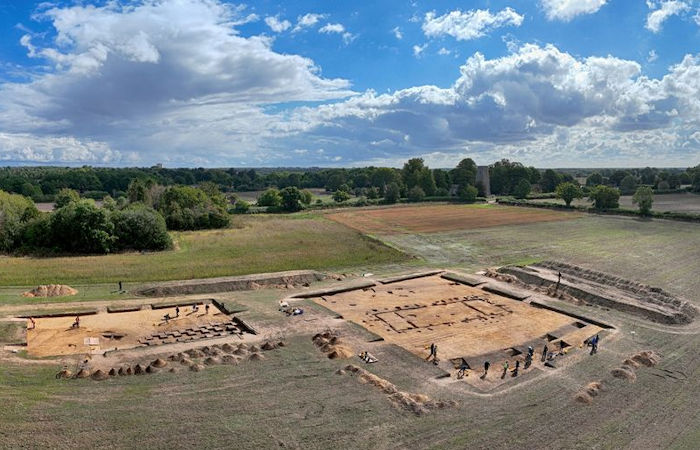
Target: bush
[[468, 193], [241, 207], [37, 233], [270, 198], [522, 189], [291, 199], [392, 193], [568, 192], [82, 227], [140, 227], [605, 197], [416, 194], [340, 196], [644, 198], [188, 208], [306, 197], [15, 212], [66, 196]]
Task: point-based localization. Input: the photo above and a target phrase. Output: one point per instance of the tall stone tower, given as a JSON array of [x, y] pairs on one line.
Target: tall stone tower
[[482, 176]]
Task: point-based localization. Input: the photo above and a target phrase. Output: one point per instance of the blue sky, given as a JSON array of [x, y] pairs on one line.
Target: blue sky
[[551, 83]]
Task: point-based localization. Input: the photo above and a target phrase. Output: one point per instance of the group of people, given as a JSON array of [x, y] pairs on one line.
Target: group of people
[[195, 308], [546, 356], [285, 308]]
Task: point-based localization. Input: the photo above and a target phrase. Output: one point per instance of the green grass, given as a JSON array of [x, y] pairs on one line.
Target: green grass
[[263, 244]]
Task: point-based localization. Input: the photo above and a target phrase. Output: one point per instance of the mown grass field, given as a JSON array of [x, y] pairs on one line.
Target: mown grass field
[[261, 244]]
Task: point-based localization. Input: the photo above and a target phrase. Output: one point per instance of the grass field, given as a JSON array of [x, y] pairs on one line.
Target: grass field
[[435, 218], [262, 244]]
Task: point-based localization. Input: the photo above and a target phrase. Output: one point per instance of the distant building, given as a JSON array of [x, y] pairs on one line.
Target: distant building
[[482, 176]]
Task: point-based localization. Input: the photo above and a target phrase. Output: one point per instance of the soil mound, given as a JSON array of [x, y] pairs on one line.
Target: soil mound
[[647, 358], [229, 359], [172, 370], [624, 373], [281, 344], [593, 388], [240, 351], [195, 353], [65, 373], [228, 348], [340, 352], [631, 363], [268, 346], [138, 370], [254, 349], [129, 371], [99, 375], [151, 369], [112, 372], [159, 363], [50, 290], [82, 373], [255, 357], [340, 372], [186, 362], [583, 397], [196, 367], [212, 360], [206, 350]]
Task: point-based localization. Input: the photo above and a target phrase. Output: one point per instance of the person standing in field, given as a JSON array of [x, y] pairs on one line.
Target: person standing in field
[[433, 352], [544, 352]]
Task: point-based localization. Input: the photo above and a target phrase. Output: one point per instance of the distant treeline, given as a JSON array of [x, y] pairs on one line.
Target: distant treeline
[[507, 178]]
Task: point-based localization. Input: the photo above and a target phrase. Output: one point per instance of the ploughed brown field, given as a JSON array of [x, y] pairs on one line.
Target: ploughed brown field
[[436, 218]]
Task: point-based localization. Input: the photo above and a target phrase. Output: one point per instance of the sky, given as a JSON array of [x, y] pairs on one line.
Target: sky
[[212, 83]]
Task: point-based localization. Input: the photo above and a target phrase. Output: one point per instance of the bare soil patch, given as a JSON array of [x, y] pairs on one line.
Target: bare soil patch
[[50, 290], [428, 219]]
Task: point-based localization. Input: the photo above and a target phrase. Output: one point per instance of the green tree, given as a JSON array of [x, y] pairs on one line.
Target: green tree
[[341, 196], [109, 203], [392, 193], [568, 192], [15, 212], [464, 174], [241, 206], [291, 199], [306, 197], [522, 189], [594, 179], [628, 184], [468, 193], [605, 197], [550, 180], [644, 198], [140, 227], [426, 182], [136, 193], [416, 194], [64, 197], [82, 227], [270, 198]]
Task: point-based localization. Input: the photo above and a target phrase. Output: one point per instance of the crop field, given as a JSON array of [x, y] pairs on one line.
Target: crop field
[[295, 396], [688, 203], [259, 244], [435, 218]]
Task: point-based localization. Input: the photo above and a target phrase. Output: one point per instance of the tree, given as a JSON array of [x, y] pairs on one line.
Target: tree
[[291, 199], [426, 182], [140, 227], [341, 196], [617, 177], [644, 198], [15, 212], [270, 198], [468, 193], [109, 203], [594, 179], [241, 207], [550, 180], [605, 197], [64, 197], [392, 193], [628, 184], [663, 186], [137, 191], [522, 189], [82, 227], [568, 192], [465, 173], [306, 197], [648, 175], [416, 194]]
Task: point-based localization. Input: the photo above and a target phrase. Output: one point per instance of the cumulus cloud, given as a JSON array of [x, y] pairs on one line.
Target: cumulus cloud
[[468, 25], [337, 28], [419, 49], [652, 56], [397, 33], [144, 73], [666, 9], [566, 10], [277, 25], [308, 20], [538, 100]]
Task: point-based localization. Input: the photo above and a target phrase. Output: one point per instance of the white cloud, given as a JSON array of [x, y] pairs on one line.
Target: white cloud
[[308, 20], [337, 28], [397, 33], [419, 49], [138, 75], [469, 25], [443, 51], [667, 9], [652, 56], [277, 25], [566, 10]]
